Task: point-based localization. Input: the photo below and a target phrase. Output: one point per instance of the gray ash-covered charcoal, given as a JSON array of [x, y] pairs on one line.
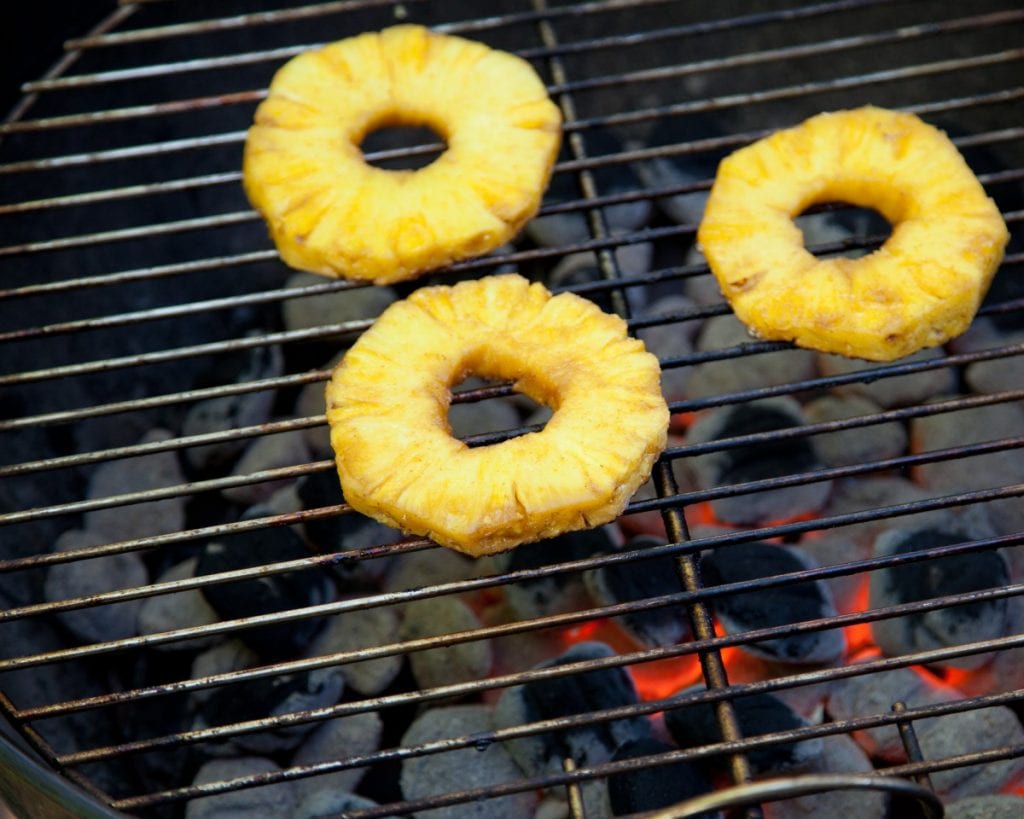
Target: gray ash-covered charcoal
[[553, 593], [1004, 467], [651, 788], [267, 452], [774, 606], [839, 755], [859, 444], [673, 339], [579, 693], [269, 594], [971, 732], [998, 374], [270, 800], [489, 415], [157, 470], [271, 697], [484, 765], [1003, 806], [927, 579], [447, 664], [233, 411], [851, 495], [873, 694], [361, 629], [695, 168], [755, 462], [615, 177], [350, 304], [633, 261], [746, 372], [641, 580], [184, 609], [335, 739], [901, 390], [330, 803], [83, 578], [696, 725]]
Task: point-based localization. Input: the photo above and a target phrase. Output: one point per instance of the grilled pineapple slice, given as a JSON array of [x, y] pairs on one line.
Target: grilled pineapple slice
[[329, 212], [922, 287], [387, 405]]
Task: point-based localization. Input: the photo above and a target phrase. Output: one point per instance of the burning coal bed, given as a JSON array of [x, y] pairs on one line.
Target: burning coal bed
[[681, 715]]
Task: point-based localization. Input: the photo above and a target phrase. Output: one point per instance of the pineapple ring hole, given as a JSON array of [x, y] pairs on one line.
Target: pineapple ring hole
[[412, 141], [488, 419], [825, 224]]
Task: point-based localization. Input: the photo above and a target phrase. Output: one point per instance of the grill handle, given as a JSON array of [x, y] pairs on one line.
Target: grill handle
[[769, 790]]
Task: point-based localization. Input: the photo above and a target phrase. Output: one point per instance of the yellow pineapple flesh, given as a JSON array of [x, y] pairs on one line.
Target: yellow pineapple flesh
[[922, 287], [330, 212], [387, 405]]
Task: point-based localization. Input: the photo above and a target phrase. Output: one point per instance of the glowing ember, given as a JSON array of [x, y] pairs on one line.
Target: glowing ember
[[653, 680], [858, 636]]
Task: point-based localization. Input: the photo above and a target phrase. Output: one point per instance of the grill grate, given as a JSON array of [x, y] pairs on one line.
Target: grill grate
[[130, 257]]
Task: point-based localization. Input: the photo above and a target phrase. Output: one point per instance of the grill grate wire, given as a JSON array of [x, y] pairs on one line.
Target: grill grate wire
[[670, 501]]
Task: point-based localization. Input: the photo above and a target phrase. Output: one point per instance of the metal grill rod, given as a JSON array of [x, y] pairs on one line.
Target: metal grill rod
[[302, 12], [814, 677], [501, 735], [905, 33], [491, 438], [669, 455], [635, 506], [573, 618], [994, 97], [284, 294], [634, 116], [617, 41], [475, 584]]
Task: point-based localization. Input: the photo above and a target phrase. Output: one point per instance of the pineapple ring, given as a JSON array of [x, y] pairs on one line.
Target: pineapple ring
[[921, 288], [387, 406], [329, 212]]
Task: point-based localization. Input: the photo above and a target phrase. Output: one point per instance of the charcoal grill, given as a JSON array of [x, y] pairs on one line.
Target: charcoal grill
[[130, 255]]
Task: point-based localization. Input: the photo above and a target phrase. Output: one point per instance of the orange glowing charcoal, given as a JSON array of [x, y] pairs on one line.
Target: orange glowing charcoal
[[858, 636], [653, 680]]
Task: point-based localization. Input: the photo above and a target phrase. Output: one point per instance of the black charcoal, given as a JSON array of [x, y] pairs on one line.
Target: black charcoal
[[554, 593], [774, 606], [640, 580], [695, 725], [761, 461], [859, 444], [901, 390], [266, 595], [271, 697], [579, 693], [928, 579], [650, 788]]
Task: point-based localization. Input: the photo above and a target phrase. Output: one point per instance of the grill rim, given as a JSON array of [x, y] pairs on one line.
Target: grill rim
[[590, 205]]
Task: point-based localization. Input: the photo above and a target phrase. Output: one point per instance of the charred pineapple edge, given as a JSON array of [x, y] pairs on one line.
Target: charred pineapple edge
[[921, 288], [398, 463]]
